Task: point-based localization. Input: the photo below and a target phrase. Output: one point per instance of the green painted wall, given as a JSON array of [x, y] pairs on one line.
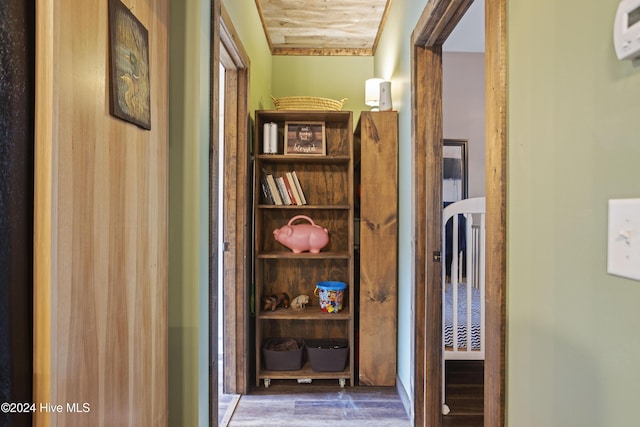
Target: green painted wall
[[573, 347], [246, 21], [189, 192], [393, 62], [188, 213], [333, 77]]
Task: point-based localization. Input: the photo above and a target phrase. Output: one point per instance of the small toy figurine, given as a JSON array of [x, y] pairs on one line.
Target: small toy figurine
[[285, 300], [274, 301], [300, 302]]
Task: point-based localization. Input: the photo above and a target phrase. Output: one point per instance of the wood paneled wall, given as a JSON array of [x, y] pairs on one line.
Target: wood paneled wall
[[101, 218]]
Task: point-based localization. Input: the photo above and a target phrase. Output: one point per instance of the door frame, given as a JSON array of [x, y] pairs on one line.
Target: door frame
[[236, 209], [226, 49], [434, 26]]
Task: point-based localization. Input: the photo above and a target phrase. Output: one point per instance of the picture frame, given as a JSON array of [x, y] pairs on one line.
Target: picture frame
[[455, 170], [129, 66], [305, 138]]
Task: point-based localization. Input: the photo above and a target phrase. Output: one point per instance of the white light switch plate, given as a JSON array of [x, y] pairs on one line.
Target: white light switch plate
[[623, 255]]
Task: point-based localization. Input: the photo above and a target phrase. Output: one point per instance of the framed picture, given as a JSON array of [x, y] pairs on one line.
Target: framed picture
[[455, 185], [305, 138], [130, 88]]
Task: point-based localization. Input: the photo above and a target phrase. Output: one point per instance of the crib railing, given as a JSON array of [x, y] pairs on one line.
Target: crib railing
[[473, 266], [473, 275], [473, 210], [476, 265]]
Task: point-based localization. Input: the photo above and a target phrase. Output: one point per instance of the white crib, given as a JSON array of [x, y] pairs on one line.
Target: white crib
[[463, 289]]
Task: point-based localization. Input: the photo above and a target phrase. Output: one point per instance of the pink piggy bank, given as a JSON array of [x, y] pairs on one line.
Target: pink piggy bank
[[302, 237]]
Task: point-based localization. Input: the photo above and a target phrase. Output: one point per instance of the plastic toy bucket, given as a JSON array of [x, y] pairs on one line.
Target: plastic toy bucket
[[331, 295]]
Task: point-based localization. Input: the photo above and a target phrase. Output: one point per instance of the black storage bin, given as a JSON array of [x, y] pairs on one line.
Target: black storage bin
[[283, 354], [328, 355]]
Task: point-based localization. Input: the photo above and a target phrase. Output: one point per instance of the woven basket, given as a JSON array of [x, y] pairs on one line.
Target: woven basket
[[308, 103]]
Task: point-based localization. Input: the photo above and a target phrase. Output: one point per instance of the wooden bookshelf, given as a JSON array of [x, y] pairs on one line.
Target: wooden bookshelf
[[327, 183]]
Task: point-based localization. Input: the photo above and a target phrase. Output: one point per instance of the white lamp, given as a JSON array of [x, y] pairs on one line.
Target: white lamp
[[372, 93]]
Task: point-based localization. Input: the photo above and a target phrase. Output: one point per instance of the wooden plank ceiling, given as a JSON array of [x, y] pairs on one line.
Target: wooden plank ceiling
[[323, 27]]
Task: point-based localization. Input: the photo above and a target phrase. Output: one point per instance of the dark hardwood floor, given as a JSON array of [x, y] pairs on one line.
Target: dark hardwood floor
[[464, 393]]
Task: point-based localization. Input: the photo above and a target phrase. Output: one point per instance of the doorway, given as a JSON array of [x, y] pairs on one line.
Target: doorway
[[230, 186], [434, 26]]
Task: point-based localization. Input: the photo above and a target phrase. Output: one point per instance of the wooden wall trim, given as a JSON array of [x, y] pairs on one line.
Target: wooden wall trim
[[418, 147], [231, 198], [496, 166], [243, 233], [437, 21], [45, 180], [434, 226], [293, 51], [244, 220], [428, 134], [237, 212], [231, 40]]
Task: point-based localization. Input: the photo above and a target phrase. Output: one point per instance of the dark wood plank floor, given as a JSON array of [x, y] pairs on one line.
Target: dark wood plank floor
[[313, 405], [465, 391]]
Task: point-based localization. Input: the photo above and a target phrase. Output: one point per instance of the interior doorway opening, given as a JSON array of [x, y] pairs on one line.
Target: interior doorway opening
[[230, 157], [435, 24]]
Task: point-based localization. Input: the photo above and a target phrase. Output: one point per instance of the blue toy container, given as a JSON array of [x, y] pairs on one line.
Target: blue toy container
[[331, 295]]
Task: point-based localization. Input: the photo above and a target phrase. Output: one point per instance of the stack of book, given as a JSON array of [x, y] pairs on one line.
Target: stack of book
[[282, 190]]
